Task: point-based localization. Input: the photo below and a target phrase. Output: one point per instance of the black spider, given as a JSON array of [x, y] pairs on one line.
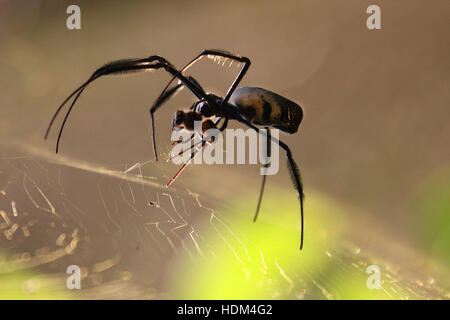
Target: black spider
[[250, 106]]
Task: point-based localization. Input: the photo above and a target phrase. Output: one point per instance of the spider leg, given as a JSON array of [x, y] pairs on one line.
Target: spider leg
[[293, 169], [194, 152], [214, 53], [224, 124], [125, 66], [94, 75], [187, 149], [223, 54], [227, 55], [217, 53], [261, 192], [183, 141], [163, 97]]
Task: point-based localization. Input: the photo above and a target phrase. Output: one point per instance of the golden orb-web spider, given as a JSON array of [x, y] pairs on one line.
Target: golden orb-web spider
[[249, 105]]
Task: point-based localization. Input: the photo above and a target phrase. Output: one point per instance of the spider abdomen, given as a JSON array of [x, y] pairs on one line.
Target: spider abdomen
[[263, 107]]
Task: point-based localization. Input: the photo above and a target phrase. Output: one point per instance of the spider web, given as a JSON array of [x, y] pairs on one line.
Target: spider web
[[125, 229], [130, 217]]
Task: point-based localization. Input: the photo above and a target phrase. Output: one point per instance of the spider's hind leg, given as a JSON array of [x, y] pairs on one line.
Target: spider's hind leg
[[261, 192], [293, 170]]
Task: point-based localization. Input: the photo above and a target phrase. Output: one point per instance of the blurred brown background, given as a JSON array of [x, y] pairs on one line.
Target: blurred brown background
[[376, 127]]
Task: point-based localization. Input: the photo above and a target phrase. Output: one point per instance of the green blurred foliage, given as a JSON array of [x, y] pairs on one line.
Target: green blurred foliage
[[266, 263], [31, 285], [433, 207]]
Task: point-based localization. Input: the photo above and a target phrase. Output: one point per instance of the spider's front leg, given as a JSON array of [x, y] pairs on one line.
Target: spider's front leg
[[183, 120], [186, 120]]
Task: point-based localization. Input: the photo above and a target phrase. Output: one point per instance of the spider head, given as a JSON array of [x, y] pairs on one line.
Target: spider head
[[185, 119]]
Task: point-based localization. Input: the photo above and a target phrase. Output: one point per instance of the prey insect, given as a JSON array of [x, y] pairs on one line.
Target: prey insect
[[251, 106]]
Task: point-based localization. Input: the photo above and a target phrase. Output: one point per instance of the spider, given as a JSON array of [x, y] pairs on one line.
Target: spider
[[251, 106]]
